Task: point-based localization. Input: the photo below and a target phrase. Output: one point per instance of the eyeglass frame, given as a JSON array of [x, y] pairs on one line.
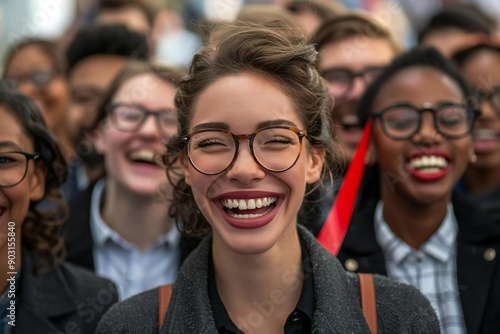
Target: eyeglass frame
[[29, 156], [426, 108], [51, 75], [250, 137], [146, 113], [487, 97], [352, 75]]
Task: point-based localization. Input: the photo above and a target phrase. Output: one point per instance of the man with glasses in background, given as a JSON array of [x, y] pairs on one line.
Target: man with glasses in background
[[353, 49]]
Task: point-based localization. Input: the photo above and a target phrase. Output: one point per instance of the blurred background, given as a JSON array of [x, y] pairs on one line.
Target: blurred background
[[59, 19]]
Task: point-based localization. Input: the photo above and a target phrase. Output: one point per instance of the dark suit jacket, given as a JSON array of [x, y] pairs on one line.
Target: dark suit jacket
[[68, 299], [78, 237], [478, 266]]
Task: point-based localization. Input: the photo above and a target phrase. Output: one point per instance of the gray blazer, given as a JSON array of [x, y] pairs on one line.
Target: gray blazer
[[400, 308]]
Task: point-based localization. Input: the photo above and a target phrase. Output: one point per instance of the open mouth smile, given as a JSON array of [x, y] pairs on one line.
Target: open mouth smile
[[248, 208], [243, 210], [428, 167]]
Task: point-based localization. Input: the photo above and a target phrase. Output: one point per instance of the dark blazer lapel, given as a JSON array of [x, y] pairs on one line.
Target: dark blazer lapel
[[41, 298], [31, 322], [476, 234], [78, 236], [360, 250]]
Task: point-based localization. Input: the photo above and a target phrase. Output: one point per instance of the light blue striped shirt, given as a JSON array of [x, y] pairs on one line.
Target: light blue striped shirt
[[432, 269], [131, 270]]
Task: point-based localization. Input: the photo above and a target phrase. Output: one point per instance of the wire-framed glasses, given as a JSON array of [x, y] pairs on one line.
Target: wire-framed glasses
[[129, 117], [402, 121], [14, 166], [276, 149]]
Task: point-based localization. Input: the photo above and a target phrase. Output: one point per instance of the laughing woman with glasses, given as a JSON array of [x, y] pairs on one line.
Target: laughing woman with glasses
[[480, 65], [120, 227], [409, 224], [254, 138], [38, 292]]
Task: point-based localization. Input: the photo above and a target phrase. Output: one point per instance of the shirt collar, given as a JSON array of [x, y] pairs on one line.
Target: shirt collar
[[101, 232], [441, 245], [305, 304]]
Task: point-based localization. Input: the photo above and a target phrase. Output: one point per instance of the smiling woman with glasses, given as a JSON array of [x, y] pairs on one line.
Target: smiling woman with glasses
[[409, 222], [45, 289], [254, 139], [120, 226]]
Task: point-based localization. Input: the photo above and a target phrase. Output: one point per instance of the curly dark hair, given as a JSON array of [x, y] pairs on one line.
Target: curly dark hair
[[42, 225], [273, 51]]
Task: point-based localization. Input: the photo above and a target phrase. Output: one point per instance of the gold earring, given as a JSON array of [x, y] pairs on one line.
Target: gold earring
[[473, 158]]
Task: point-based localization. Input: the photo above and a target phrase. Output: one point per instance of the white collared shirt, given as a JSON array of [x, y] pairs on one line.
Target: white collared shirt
[[431, 269], [131, 270]]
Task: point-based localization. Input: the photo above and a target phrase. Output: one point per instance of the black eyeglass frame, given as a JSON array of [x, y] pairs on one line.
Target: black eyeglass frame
[[111, 108], [426, 108], [18, 79], [488, 97], [250, 137], [352, 75], [29, 156]]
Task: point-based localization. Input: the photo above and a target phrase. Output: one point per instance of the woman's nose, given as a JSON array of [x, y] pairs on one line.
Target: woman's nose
[[245, 168]]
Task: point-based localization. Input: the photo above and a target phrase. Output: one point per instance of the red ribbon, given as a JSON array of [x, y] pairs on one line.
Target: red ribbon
[[335, 227]]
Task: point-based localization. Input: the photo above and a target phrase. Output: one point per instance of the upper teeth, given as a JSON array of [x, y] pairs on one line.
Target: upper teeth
[[428, 162], [145, 155], [248, 204]]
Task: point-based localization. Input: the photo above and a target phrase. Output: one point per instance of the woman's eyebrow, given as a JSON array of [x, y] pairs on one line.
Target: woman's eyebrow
[[211, 125], [276, 122], [261, 125], [9, 144]]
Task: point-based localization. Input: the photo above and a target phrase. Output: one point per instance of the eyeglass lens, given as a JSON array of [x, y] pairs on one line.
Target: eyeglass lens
[[13, 167], [130, 118], [275, 149], [403, 122], [38, 78], [341, 79]]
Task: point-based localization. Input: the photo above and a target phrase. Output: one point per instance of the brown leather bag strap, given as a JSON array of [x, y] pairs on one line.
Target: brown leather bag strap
[[368, 301], [164, 294]]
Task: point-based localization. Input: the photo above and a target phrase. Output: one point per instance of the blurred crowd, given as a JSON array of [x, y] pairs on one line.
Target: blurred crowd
[[114, 63]]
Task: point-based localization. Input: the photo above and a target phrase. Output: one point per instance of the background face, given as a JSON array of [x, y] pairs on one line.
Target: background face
[[53, 98], [356, 54], [88, 82], [129, 155], [482, 71], [419, 86]]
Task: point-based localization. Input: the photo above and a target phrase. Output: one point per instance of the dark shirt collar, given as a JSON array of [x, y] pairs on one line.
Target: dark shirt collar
[[299, 321]]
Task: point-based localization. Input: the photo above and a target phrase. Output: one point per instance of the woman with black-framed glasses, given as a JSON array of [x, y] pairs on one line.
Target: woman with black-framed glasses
[[34, 67], [480, 65], [409, 223], [254, 139], [39, 293], [120, 227]]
